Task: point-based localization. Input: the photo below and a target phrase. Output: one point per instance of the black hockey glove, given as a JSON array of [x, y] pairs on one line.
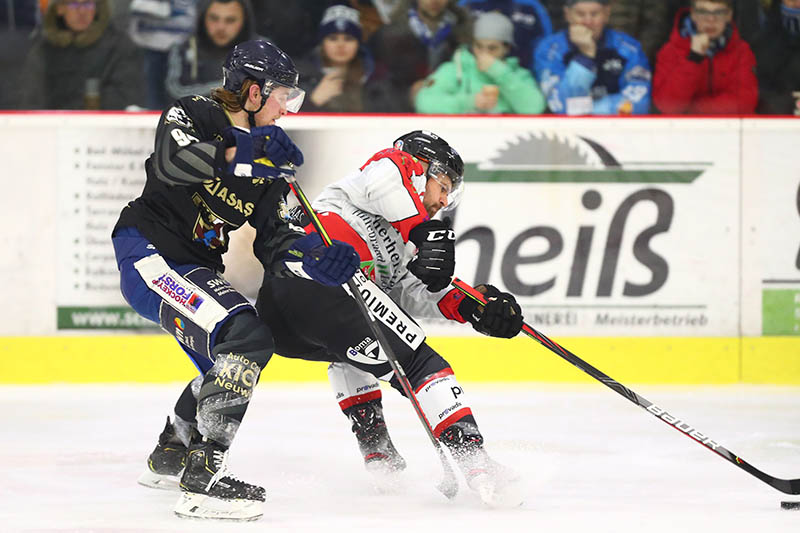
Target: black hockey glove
[[500, 317], [435, 262], [273, 143], [329, 265]]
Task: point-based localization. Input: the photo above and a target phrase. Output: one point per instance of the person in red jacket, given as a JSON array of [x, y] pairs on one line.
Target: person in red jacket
[[705, 67]]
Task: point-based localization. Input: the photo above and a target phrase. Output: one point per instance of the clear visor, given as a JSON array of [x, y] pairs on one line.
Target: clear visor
[[454, 185], [289, 97]]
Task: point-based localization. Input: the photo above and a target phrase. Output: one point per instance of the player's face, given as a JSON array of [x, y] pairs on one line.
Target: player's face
[[339, 48], [224, 22], [274, 108], [711, 17], [593, 15], [431, 8], [437, 188], [77, 14]]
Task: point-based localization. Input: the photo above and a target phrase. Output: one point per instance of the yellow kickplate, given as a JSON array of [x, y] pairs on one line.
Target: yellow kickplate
[[667, 360]]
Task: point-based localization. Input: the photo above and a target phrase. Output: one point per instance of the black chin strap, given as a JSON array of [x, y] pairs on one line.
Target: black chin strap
[[251, 115]]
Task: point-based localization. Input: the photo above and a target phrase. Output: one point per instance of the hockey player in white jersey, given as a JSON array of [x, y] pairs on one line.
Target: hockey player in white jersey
[[385, 210]]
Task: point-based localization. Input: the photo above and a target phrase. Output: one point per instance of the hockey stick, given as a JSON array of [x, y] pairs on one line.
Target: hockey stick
[[449, 484], [787, 486]]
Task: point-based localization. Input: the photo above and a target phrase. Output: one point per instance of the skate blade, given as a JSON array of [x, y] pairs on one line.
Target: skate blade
[[193, 505], [160, 481]]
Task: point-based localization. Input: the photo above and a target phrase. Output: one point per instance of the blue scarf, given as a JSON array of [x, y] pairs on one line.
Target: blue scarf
[[689, 28], [790, 17]]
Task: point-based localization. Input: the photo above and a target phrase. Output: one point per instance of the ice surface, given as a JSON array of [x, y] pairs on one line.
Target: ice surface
[[592, 461]]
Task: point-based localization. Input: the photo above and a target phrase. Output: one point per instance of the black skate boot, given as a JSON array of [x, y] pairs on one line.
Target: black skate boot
[[165, 464], [497, 485], [209, 491], [376, 446]]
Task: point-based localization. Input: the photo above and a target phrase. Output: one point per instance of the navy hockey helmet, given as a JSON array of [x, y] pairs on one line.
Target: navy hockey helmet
[[440, 156], [267, 65]]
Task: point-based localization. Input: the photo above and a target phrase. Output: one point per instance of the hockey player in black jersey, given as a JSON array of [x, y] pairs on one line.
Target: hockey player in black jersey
[[217, 164]]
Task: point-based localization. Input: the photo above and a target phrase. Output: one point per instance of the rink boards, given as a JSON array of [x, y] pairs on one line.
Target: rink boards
[[660, 250]]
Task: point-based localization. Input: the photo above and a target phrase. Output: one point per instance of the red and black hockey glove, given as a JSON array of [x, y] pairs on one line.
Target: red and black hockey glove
[[500, 317]]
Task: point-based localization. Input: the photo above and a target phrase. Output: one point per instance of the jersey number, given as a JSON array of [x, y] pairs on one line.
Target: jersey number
[[182, 138]]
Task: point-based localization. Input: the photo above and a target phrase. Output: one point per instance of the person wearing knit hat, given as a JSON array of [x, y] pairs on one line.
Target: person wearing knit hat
[[337, 73], [591, 69], [340, 19], [529, 17], [483, 78]]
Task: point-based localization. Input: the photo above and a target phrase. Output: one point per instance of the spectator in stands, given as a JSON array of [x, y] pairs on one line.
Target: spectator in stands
[[81, 61], [706, 67], [428, 32], [591, 69], [156, 26], [530, 19], [748, 15], [194, 66], [336, 75], [485, 80], [647, 21], [777, 51]]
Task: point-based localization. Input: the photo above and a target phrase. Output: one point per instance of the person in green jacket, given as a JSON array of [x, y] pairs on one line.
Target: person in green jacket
[[483, 78]]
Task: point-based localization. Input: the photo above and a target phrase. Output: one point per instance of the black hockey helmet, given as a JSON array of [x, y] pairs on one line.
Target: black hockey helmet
[[267, 65], [440, 156]]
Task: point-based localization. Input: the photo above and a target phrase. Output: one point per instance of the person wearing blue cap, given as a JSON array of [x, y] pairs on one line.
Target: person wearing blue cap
[[336, 75], [591, 69]]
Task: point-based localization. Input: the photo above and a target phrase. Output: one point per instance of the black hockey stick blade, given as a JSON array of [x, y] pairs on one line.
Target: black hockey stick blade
[[449, 484], [787, 486]]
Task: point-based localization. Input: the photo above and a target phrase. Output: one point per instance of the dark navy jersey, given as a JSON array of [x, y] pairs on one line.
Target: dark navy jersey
[[191, 202]]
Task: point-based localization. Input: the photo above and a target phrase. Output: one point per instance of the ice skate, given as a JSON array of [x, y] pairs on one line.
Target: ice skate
[[165, 464], [381, 458], [498, 486], [209, 491]]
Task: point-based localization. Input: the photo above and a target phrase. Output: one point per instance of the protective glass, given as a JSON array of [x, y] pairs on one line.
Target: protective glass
[[289, 97], [454, 186]]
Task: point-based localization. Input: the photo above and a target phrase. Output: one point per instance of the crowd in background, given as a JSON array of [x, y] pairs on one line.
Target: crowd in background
[[605, 57]]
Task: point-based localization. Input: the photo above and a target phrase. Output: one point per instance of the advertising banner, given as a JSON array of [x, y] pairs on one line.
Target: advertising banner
[[771, 228], [98, 171], [599, 227]]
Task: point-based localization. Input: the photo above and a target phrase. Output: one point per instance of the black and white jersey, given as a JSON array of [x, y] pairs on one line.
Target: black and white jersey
[[191, 202]]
